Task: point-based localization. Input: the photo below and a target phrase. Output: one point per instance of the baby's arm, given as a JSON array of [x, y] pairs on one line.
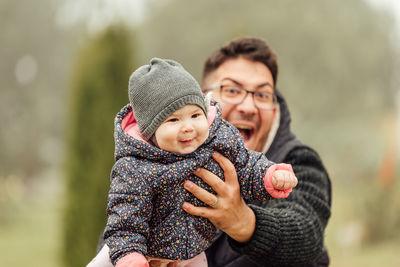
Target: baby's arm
[[129, 210], [254, 170], [262, 179]]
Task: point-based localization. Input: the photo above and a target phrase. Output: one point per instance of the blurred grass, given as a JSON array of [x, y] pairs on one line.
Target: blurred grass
[[30, 228], [346, 234], [30, 234]]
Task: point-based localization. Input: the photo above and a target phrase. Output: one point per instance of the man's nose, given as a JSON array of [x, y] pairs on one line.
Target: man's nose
[[247, 106]]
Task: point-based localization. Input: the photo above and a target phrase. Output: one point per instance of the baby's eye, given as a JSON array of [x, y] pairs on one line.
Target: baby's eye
[[172, 120], [196, 115]]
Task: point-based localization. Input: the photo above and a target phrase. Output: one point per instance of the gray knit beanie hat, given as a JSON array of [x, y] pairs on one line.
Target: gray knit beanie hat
[[159, 89]]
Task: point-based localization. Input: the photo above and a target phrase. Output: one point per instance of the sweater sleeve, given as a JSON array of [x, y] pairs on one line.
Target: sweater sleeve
[[129, 210], [289, 232]]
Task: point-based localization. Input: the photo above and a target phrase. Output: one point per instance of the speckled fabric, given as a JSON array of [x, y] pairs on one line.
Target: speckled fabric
[[146, 193]]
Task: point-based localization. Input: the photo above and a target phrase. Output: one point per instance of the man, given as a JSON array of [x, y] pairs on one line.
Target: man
[[247, 69], [240, 76]]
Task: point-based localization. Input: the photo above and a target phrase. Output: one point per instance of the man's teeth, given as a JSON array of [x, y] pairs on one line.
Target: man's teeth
[[242, 127]]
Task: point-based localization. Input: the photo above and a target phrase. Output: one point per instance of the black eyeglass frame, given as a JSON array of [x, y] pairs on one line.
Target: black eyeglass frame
[[221, 86]]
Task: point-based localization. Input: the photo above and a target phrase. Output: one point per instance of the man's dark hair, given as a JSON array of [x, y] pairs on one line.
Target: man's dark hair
[[250, 48]]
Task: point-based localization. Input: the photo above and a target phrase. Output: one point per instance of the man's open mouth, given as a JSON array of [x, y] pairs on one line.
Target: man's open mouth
[[246, 131]]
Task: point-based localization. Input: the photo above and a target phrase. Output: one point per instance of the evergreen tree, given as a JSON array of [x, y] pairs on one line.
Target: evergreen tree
[[99, 91]]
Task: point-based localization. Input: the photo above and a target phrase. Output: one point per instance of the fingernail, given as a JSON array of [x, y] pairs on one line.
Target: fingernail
[[185, 205], [188, 184]]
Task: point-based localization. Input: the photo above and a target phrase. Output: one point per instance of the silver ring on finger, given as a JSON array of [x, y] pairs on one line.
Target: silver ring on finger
[[215, 204]]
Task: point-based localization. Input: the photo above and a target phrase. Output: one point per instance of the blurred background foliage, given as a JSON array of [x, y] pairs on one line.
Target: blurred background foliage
[[98, 92], [64, 73]]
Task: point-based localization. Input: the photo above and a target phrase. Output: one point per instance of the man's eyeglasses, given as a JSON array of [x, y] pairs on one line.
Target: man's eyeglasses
[[235, 94]]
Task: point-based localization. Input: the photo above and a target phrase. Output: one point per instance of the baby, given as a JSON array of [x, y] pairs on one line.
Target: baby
[[169, 130]]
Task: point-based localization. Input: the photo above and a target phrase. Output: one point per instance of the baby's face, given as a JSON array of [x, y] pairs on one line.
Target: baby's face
[[184, 131]]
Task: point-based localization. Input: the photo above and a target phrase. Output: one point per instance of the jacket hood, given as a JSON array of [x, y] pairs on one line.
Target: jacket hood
[[281, 134], [130, 142]]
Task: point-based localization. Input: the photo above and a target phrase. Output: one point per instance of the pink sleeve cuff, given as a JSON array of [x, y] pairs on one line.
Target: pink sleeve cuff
[[275, 193], [133, 259]]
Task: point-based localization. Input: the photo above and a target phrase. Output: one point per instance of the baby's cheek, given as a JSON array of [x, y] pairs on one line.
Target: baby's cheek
[[203, 131]]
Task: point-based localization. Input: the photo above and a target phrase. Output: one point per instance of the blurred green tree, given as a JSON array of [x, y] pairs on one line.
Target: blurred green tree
[[99, 90]]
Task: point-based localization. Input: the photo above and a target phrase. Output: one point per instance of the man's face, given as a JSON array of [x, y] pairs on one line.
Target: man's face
[[253, 123]]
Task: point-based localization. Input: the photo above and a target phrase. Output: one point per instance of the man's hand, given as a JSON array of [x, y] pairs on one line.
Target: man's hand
[[227, 210]]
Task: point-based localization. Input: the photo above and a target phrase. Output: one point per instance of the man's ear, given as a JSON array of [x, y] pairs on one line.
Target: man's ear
[[274, 111]]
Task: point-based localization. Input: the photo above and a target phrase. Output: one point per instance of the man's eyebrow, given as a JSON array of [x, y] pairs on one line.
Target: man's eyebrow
[[240, 84], [232, 80], [265, 84]]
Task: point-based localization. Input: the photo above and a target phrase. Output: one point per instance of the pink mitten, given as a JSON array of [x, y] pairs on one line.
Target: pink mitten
[[275, 193], [133, 260]]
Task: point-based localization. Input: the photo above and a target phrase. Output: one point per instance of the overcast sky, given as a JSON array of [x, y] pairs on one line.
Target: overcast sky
[[392, 5], [98, 13]]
